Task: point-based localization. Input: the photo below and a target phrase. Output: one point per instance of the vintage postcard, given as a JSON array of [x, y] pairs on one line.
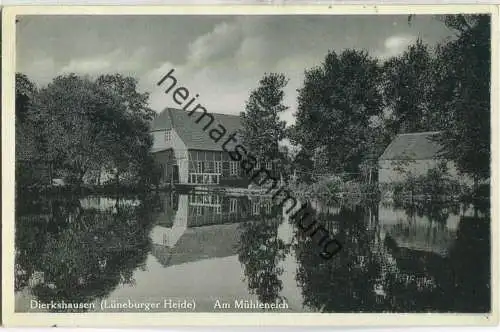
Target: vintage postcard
[[250, 165]]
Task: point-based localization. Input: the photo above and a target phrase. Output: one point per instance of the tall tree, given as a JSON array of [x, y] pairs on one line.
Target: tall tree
[[262, 128], [464, 92], [334, 109], [130, 143]]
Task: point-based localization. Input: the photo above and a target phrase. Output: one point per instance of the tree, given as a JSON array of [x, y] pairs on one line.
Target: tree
[[69, 113], [130, 143], [335, 105], [465, 94], [408, 84], [262, 128], [25, 91], [94, 125], [28, 153]]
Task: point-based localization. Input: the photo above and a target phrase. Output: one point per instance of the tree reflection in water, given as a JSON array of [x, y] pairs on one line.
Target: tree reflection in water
[[376, 272], [434, 211], [260, 253], [339, 284], [76, 254]]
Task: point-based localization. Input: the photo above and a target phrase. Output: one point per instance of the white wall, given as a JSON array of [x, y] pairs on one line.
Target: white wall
[[169, 236], [159, 142], [179, 148], [388, 174], [181, 155]]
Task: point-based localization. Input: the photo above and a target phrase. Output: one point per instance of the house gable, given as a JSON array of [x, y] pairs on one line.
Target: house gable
[[192, 133]]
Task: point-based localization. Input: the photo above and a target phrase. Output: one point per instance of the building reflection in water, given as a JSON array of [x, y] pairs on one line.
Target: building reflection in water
[[194, 227], [215, 226]]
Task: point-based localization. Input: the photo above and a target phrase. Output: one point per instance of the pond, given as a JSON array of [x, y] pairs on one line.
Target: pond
[[212, 253]]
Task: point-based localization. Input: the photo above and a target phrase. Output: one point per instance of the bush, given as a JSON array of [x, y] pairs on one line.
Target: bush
[[436, 184], [334, 188]]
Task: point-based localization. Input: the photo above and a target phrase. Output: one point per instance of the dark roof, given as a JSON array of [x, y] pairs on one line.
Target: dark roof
[[192, 133], [415, 146], [198, 243]]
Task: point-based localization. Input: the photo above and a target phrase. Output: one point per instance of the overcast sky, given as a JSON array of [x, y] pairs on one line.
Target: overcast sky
[[219, 57]]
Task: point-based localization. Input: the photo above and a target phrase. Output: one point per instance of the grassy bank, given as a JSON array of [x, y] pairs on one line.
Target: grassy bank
[[89, 189], [334, 189]]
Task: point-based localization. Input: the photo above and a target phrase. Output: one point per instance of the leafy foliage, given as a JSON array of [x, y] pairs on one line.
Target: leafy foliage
[[408, 90], [88, 126], [465, 94], [436, 184], [262, 128], [334, 108]]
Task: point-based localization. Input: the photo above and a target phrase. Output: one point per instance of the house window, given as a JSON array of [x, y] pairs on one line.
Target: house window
[[255, 208], [209, 167], [199, 167], [168, 135], [198, 210], [233, 205], [233, 168], [218, 167], [162, 170], [269, 165]]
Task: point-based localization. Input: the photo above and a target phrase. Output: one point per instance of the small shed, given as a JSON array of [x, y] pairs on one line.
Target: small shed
[[414, 153]]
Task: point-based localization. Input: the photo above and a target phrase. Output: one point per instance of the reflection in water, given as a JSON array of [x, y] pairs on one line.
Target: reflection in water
[[400, 262], [343, 283], [68, 251], [260, 252], [413, 258]]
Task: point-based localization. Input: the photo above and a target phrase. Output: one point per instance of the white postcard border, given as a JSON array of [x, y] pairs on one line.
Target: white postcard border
[[10, 318]]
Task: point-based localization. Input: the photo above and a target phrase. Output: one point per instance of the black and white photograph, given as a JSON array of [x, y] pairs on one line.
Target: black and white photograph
[[252, 163]]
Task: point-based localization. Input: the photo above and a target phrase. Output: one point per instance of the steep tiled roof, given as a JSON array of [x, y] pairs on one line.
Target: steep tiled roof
[[416, 146], [191, 132]]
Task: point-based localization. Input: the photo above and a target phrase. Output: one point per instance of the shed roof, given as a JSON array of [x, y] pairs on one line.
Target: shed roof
[[192, 133], [416, 146]]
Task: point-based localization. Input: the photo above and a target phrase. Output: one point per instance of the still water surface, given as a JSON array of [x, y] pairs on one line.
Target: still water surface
[[206, 247]]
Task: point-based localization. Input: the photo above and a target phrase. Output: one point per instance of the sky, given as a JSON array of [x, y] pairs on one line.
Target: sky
[[221, 58]]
